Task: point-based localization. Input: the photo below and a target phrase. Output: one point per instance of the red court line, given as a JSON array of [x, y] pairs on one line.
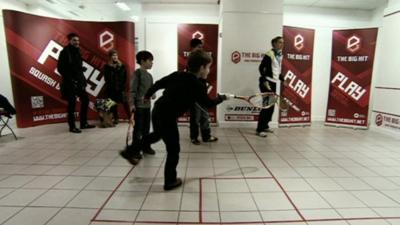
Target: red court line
[[112, 193], [217, 178], [234, 178], [255, 222], [200, 200], [246, 222], [273, 177]]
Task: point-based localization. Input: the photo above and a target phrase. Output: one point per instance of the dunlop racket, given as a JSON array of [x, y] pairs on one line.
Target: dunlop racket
[[265, 100]]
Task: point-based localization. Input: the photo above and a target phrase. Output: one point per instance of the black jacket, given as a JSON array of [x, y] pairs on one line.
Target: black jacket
[[70, 67], [182, 90], [5, 104], [115, 78], [265, 70]]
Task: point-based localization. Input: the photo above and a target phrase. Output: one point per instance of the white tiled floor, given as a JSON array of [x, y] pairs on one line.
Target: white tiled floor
[[315, 176]]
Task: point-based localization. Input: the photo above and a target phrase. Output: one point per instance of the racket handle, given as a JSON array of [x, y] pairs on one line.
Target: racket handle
[[228, 95]]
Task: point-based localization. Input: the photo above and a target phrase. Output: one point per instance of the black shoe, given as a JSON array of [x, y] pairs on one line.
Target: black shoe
[[173, 185], [134, 160], [75, 130], [195, 142], [211, 139], [87, 126], [149, 151]]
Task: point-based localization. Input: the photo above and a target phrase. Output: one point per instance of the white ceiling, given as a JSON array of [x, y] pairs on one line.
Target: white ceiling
[[107, 8], [342, 4]]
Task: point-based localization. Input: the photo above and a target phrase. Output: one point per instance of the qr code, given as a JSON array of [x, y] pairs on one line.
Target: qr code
[[331, 112], [37, 102]]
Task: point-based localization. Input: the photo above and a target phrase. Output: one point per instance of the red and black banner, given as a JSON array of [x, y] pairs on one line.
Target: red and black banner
[[34, 44], [351, 73], [297, 73], [208, 33]]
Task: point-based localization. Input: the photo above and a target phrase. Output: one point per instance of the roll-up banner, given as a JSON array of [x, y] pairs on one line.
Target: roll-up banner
[[297, 73], [351, 73], [208, 33], [34, 44]]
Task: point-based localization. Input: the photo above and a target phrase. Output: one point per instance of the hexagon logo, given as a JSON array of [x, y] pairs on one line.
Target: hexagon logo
[[298, 42], [106, 41], [198, 35], [379, 120], [235, 57], [353, 44]]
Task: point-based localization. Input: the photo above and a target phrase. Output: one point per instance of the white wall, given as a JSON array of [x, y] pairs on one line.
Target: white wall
[[156, 31], [5, 81], [5, 77], [386, 101], [323, 21]]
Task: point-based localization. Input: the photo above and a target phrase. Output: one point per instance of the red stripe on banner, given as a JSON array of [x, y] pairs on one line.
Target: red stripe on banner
[[21, 44]]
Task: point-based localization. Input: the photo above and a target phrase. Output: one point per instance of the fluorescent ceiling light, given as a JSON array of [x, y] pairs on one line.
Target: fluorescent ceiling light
[[123, 6]]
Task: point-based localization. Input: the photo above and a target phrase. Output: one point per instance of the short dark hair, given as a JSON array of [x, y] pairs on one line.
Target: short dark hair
[[143, 56], [197, 59], [275, 40], [195, 42], [112, 52], [71, 35]]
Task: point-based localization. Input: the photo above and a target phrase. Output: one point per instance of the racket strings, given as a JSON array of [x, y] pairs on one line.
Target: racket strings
[[263, 101]]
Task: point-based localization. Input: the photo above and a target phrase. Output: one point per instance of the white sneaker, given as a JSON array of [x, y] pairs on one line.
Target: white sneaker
[[268, 131], [261, 134]]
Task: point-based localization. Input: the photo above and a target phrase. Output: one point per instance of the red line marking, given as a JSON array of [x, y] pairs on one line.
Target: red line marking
[[273, 177], [233, 178], [200, 200], [112, 193], [246, 222], [255, 222], [113, 221]]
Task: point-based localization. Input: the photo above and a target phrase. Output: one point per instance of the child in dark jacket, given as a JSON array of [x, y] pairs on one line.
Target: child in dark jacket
[[181, 91]]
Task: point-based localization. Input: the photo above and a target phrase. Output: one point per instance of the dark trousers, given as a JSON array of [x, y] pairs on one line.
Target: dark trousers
[[142, 124], [266, 114], [199, 118], [114, 110], [165, 127], [84, 99]]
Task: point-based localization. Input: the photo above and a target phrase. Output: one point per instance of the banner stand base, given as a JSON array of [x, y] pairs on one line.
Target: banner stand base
[[345, 126], [303, 125]]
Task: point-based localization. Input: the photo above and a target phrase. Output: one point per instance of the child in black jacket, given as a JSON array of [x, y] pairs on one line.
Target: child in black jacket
[[181, 91]]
